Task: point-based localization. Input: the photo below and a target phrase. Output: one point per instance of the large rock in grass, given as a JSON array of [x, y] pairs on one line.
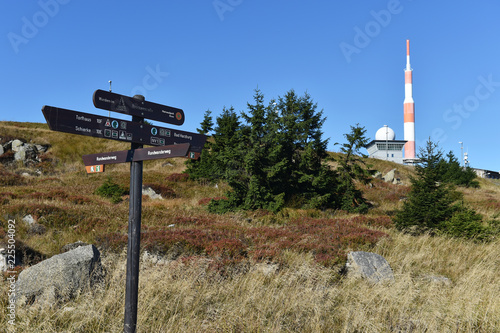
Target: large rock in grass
[[370, 266], [60, 277]]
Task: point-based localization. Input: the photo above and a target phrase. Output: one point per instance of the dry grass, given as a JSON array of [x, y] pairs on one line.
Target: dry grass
[[293, 294], [186, 296]]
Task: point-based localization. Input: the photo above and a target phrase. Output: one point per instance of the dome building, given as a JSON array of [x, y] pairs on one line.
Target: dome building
[[385, 146]]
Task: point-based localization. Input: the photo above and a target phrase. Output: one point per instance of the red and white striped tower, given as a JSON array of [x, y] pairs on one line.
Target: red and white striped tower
[[409, 107]]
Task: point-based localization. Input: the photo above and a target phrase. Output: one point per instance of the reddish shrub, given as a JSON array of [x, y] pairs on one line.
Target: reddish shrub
[[8, 178], [178, 177], [79, 200], [197, 220], [326, 239]]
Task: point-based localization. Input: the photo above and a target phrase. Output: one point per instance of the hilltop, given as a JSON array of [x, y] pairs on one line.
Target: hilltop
[[243, 271]]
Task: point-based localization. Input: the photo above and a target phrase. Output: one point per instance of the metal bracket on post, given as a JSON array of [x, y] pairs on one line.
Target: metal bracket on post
[[134, 237]]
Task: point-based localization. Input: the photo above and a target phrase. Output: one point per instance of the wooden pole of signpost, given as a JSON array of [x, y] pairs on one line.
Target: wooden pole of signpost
[[134, 238]]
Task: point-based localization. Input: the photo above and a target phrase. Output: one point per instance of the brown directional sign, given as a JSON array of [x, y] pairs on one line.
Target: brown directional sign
[[113, 157], [128, 105], [153, 153], [82, 123], [139, 154]]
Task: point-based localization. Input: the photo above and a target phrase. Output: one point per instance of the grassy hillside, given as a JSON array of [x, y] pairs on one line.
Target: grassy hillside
[[246, 271]]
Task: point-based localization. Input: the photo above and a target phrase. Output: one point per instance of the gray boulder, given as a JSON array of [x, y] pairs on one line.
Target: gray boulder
[[26, 153], [389, 177], [41, 148], [1, 150], [370, 266], [60, 277], [16, 145]]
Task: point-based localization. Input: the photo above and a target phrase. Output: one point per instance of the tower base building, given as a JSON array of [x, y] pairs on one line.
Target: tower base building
[[386, 147]]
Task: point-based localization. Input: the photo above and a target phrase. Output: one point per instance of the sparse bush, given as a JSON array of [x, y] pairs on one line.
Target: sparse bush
[[111, 190], [466, 223]]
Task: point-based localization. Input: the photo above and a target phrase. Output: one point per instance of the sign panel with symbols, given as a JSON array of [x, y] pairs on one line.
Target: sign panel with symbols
[[94, 168], [110, 101], [82, 123]]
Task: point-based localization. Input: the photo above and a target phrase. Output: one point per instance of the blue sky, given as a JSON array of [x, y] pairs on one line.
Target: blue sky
[[198, 55]]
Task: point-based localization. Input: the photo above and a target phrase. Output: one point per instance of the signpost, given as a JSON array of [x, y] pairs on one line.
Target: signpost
[[167, 143]]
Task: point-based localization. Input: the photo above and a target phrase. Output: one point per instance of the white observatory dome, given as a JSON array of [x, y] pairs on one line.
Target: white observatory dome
[[385, 133]]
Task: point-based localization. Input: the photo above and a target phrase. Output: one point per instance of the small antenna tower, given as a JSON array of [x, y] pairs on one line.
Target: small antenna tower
[[109, 112]]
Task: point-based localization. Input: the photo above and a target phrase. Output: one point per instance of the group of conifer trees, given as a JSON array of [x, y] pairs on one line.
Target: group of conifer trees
[[274, 156]]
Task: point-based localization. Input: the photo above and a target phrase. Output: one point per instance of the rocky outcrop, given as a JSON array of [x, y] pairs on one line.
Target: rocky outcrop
[[60, 277], [19, 150], [370, 266]]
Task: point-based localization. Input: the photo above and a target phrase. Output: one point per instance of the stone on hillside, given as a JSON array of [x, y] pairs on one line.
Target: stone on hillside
[[389, 177], [27, 153], [16, 145], [378, 175], [370, 266], [41, 148], [28, 219], [146, 190], [1, 150], [62, 276]]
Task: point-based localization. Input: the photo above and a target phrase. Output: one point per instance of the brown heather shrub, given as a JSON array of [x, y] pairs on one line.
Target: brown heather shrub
[[7, 157], [79, 199], [51, 195], [8, 178], [197, 220], [491, 204], [178, 177], [382, 191], [91, 224], [378, 221], [326, 239]]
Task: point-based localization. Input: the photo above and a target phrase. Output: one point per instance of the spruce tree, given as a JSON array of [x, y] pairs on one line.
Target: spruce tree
[[352, 168], [455, 174], [429, 203]]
